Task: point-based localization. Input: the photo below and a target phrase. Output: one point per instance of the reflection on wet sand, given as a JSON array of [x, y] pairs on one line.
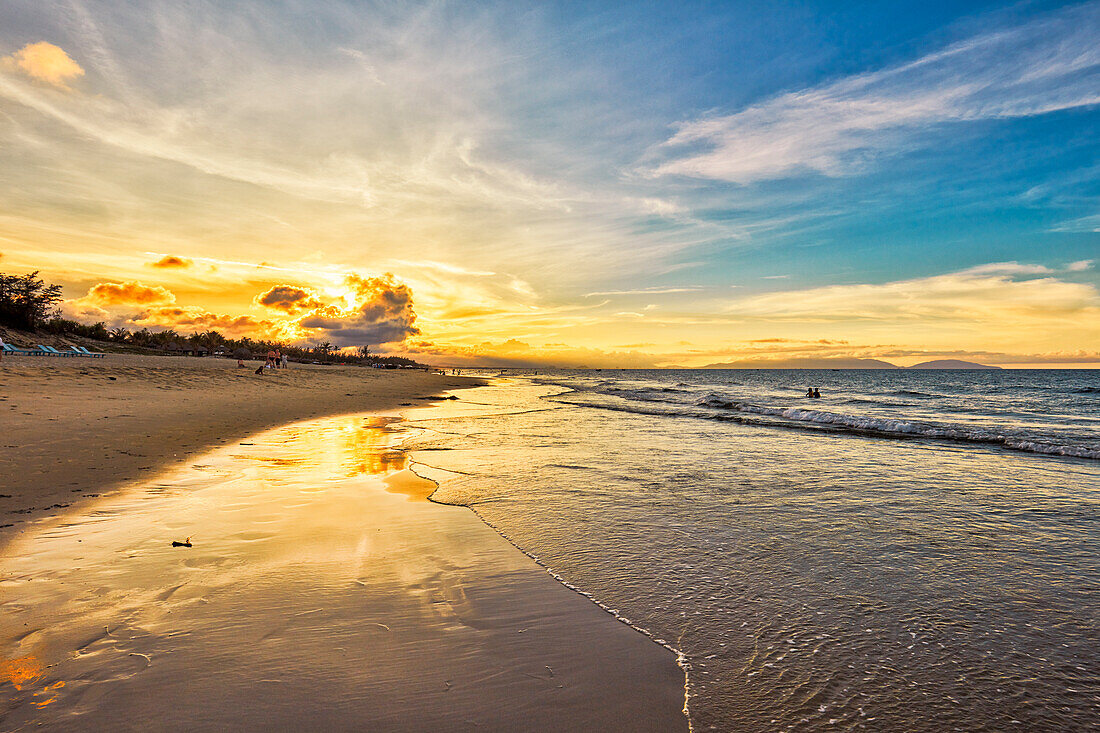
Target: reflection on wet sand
[[25, 676], [408, 483], [357, 447], [315, 594]]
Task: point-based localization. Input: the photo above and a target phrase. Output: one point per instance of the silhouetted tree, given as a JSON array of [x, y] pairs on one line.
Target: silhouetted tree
[[26, 302]]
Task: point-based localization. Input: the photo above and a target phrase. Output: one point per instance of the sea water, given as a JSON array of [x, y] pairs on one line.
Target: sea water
[[913, 551]]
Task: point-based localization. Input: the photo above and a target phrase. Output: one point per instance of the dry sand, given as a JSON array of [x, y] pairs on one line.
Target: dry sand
[[323, 592], [70, 427]]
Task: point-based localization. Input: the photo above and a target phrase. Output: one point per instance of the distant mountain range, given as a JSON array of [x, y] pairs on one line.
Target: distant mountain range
[[950, 364], [843, 363]]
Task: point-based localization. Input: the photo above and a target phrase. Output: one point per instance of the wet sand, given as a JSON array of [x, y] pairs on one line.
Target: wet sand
[[322, 591], [74, 427]]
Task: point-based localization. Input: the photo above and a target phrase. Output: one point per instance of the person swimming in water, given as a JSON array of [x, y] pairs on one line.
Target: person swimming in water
[[817, 394]]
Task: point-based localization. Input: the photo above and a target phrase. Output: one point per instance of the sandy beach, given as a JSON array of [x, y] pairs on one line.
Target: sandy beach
[[322, 589], [74, 427]]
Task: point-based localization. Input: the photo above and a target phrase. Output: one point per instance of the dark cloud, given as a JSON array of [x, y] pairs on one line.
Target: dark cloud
[[384, 314], [289, 298], [170, 261]]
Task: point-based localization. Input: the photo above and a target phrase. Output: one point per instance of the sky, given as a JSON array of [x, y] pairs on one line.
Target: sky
[[575, 184]]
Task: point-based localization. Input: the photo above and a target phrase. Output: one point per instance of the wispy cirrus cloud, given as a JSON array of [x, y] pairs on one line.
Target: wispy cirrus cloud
[[995, 296], [644, 291], [390, 148], [434, 125], [838, 128]]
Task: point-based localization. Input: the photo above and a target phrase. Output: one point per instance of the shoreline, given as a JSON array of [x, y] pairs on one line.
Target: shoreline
[[319, 568], [542, 653], [681, 658], [78, 429]]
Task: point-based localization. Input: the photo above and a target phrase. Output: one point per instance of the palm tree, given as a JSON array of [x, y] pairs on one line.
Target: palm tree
[[212, 339]]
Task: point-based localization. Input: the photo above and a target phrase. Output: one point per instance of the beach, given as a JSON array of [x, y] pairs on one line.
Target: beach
[[78, 426], [320, 587]]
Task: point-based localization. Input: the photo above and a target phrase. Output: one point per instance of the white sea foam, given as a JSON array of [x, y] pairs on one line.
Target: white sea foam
[[914, 428], [715, 405]]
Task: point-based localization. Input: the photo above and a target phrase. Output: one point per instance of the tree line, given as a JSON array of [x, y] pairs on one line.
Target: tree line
[[27, 303]]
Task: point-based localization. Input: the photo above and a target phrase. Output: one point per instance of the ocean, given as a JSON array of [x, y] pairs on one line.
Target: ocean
[[915, 550]]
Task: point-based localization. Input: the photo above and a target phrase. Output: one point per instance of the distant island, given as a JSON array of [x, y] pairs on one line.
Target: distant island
[[843, 363], [950, 364]]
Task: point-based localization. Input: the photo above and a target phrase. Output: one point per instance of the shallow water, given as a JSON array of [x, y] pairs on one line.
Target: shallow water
[[814, 579], [321, 591]]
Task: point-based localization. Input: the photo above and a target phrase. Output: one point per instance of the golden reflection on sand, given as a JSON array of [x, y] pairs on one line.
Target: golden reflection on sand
[[369, 450], [318, 584], [408, 483], [24, 674], [19, 672], [46, 691], [360, 448]]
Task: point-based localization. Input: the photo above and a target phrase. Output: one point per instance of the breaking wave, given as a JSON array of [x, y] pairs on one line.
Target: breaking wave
[[865, 424], [716, 406]]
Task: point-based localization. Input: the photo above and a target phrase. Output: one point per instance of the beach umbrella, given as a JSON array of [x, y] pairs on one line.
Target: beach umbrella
[[242, 353]]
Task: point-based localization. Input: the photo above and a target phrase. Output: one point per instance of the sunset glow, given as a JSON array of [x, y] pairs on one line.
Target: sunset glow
[[566, 185]]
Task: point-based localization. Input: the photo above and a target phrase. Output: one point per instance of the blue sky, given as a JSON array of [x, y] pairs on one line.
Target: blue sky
[[562, 182]]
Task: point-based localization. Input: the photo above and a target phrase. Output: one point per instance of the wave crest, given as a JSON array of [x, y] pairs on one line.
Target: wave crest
[[866, 424]]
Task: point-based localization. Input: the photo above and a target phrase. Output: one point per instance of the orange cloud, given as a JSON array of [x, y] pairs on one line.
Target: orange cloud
[[384, 314], [290, 298], [128, 293], [193, 318], [44, 62], [170, 261]]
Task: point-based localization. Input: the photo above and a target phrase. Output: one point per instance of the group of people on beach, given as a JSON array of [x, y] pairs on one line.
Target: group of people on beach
[[275, 360], [813, 392]]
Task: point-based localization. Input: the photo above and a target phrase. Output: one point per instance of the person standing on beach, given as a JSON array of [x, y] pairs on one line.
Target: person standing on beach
[[284, 360], [270, 359]]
